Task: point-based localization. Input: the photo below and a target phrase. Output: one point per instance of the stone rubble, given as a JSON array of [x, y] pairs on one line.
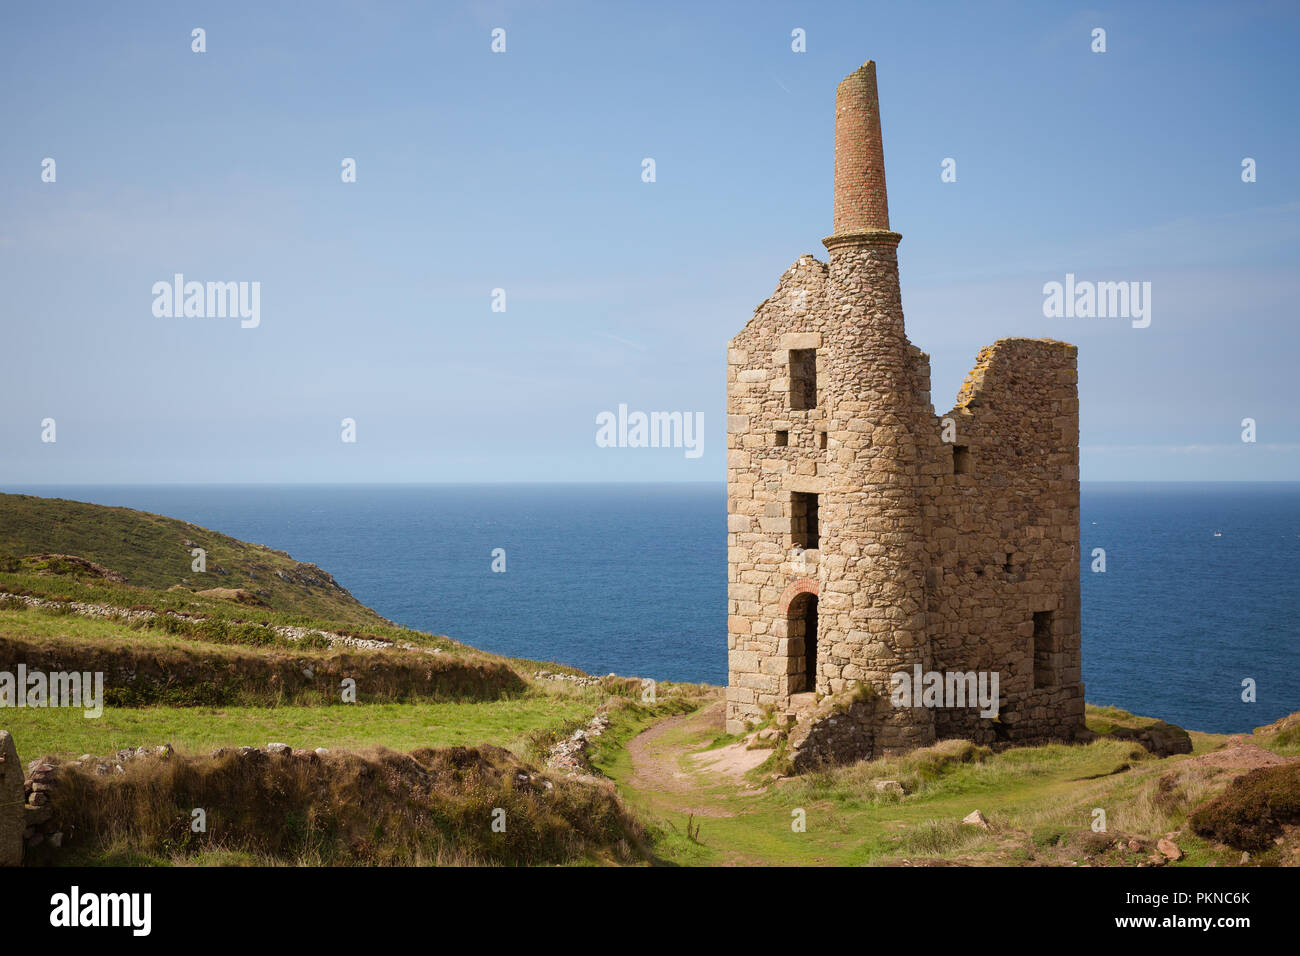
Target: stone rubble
[[580, 680], [569, 756], [38, 817]]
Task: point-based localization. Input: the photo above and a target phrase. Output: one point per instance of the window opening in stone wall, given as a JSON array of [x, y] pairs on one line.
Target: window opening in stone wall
[[821, 439], [801, 633], [803, 378], [804, 520], [1044, 672], [961, 459], [782, 439]]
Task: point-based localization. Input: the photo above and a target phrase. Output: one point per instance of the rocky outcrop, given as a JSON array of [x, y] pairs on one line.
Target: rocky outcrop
[[1159, 738], [238, 595], [835, 730], [72, 564]]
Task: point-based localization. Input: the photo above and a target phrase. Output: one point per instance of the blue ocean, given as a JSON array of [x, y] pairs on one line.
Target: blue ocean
[[1199, 592]]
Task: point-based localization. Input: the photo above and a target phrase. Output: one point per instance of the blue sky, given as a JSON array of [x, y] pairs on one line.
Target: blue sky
[[522, 171]]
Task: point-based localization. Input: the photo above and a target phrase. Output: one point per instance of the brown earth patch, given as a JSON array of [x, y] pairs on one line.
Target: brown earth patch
[[1242, 756], [238, 595]]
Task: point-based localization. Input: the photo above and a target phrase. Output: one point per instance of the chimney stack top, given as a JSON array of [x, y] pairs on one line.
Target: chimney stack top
[[861, 204]]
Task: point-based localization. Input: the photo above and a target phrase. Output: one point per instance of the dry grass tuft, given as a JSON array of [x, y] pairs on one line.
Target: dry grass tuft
[[372, 808]]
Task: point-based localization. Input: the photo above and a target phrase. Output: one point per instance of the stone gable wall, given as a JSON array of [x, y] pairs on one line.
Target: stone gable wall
[[761, 563], [1003, 539]]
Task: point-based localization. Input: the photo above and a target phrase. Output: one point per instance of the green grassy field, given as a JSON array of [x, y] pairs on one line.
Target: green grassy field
[[509, 724], [1041, 803]]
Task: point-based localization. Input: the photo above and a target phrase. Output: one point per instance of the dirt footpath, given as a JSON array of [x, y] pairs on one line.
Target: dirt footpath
[[667, 762]]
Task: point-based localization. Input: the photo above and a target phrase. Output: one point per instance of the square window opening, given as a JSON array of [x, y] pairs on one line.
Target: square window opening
[[804, 520], [961, 459], [803, 379]]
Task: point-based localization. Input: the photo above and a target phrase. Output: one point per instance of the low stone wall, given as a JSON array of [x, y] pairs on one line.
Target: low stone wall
[[222, 674], [27, 814], [108, 612], [26, 817], [39, 825], [375, 807], [569, 756], [26, 804]]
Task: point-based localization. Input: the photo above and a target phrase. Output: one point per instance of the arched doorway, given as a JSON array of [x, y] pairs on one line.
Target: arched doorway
[[801, 629]]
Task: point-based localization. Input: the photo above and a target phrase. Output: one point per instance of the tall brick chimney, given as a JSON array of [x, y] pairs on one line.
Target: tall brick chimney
[[861, 204]]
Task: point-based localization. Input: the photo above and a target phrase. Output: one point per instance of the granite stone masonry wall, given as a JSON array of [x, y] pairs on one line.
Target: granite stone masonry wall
[[12, 802]]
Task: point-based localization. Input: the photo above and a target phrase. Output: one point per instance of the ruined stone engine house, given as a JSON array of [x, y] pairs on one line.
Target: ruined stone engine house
[[866, 536]]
